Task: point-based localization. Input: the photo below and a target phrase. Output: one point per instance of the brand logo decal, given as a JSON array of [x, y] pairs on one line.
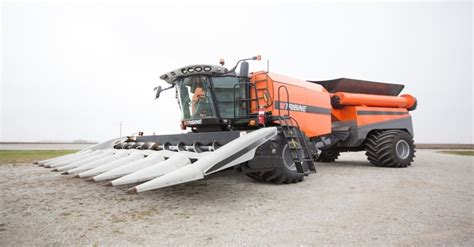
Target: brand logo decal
[[292, 107], [193, 122]]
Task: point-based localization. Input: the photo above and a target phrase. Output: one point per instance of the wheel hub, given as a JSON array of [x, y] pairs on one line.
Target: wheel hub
[[288, 161], [403, 149]]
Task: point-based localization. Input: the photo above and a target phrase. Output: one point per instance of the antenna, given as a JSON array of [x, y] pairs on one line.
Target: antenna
[[268, 66]]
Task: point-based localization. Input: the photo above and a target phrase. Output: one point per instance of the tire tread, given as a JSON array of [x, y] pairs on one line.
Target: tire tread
[[379, 148]]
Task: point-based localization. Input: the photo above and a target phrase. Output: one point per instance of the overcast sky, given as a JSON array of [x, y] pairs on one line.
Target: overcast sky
[[75, 71]]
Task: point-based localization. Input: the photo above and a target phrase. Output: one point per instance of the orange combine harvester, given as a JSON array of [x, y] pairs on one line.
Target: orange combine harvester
[[274, 127]]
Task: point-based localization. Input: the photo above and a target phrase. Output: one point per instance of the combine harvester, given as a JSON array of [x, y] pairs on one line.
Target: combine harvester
[[272, 126]]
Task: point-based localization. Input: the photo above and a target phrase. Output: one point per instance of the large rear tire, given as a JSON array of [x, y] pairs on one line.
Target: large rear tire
[[390, 148], [285, 172]]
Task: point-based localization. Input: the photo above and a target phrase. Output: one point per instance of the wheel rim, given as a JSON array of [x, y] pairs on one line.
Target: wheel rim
[[288, 161], [403, 149]]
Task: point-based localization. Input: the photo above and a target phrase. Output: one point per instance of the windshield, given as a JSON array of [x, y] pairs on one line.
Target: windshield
[[226, 89], [195, 98]]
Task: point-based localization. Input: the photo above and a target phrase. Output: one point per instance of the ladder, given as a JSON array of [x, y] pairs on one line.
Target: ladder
[[297, 145], [299, 150]]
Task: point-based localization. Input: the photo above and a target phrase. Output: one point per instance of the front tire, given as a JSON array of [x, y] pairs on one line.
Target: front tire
[[285, 172], [390, 148]]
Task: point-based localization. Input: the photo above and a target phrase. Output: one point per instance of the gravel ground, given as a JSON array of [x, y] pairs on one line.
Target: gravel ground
[[345, 203]]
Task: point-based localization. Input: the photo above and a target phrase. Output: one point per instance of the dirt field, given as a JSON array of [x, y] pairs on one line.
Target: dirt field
[[345, 203]]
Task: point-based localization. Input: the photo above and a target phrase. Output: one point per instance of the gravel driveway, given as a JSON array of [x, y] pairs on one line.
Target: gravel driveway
[[345, 203]]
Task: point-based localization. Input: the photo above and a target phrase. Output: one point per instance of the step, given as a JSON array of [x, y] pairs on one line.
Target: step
[[299, 167], [296, 148]]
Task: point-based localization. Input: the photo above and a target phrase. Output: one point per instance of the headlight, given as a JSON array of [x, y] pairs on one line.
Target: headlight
[[198, 69]]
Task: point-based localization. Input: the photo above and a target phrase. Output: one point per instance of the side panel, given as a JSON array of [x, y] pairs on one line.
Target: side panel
[[308, 103], [360, 120], [363, 115], [358, 134]]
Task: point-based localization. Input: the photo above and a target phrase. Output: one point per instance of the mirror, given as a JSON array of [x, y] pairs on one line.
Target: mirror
[[158, 91], [244, 69]]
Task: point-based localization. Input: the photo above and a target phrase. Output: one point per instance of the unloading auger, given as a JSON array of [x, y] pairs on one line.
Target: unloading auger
[[274, 127]]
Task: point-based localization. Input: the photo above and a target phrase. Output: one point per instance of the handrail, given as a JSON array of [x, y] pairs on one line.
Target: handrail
[[287, 100], [247, 100]]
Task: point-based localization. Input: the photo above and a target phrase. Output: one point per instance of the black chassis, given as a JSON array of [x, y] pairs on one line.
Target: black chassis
[[347, 136]]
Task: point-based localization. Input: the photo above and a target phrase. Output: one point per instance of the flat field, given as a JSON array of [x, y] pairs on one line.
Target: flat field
[[348, 202]]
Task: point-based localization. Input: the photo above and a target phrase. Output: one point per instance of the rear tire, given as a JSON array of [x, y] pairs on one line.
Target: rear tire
[[285, 172], [328, 156], [390, 148]]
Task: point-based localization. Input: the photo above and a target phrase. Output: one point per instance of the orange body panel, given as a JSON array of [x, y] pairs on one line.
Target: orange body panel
[[309, 103], [363, 115]]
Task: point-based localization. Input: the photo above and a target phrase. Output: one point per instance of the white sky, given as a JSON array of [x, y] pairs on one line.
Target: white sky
[[74, 71]]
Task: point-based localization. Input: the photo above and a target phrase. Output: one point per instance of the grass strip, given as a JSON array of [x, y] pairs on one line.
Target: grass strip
[[459, 152], [29, 156]]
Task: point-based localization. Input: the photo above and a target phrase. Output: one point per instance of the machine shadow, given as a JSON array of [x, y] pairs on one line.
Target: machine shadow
[[345, 164], [229, 185]]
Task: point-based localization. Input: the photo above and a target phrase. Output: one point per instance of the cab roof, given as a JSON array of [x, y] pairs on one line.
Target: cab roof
[[198, 69]]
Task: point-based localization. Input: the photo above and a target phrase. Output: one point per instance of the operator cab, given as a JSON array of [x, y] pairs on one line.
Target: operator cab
[[207, 96]]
